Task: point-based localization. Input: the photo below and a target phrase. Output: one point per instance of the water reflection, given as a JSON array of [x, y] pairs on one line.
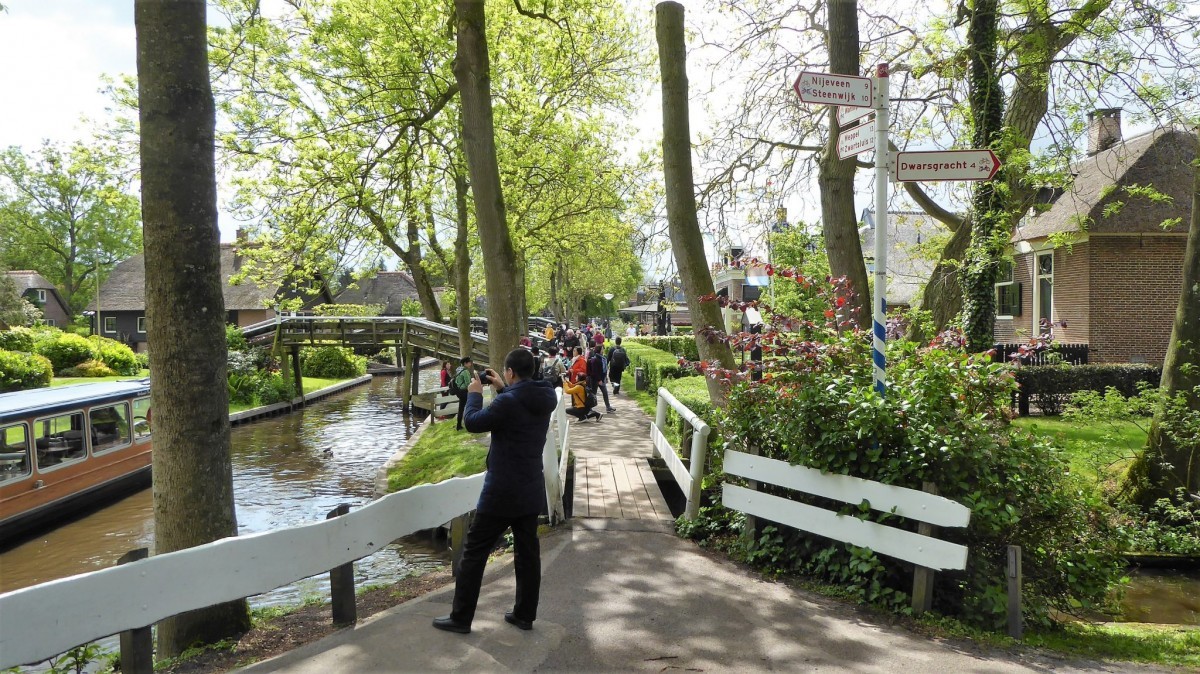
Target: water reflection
[[1163, 596], [288, 470]]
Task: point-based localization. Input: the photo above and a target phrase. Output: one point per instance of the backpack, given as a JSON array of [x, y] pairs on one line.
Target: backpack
[[619, 359], [589, 399], [458, 389], [595, 366]]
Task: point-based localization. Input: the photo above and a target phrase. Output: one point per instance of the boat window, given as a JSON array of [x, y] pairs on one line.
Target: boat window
[[141, 419], [14, 453], [59, 440], [110, 427]]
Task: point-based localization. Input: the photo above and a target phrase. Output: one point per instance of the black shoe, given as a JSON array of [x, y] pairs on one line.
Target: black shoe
[[514, 620], [451, 625], [611, 410]]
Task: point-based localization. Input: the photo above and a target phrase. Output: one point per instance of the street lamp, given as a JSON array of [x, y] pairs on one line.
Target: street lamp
[[608, 309]]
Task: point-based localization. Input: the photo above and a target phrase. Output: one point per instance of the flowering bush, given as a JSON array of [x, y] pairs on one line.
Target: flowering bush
[[945, 420]]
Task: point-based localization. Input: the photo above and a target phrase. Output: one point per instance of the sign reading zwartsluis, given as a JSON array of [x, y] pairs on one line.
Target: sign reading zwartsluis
[[823, 88]]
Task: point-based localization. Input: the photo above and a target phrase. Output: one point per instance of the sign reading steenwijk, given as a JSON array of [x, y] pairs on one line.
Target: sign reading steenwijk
[[822, 88]]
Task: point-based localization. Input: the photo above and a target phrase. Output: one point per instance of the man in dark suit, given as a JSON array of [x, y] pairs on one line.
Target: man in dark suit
[[514, 491]]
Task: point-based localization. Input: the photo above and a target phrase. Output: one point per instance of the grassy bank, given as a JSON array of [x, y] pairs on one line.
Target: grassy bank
[[311, 384], [1097, 450], [440, 453]]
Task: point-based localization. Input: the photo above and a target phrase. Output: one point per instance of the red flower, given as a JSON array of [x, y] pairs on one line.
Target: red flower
[[829, 313]]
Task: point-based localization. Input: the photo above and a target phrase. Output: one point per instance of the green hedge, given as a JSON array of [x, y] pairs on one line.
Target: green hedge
[[65, 350], [332, 362], [17, 339], [1049, 387], [115, 355], [659, 365], [20, 371], [680, 346]]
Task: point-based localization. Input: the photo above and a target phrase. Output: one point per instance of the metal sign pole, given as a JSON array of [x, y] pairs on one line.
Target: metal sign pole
[[882, 155]]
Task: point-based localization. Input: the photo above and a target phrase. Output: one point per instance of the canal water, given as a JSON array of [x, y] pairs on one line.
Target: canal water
[[287, 470]]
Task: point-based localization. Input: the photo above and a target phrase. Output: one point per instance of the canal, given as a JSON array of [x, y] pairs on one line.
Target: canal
[[287, 470]]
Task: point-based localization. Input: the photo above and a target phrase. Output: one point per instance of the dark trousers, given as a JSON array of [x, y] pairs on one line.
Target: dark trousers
[[582, 413], [485, 532], [593, 384], [615, 377], [462, 407]]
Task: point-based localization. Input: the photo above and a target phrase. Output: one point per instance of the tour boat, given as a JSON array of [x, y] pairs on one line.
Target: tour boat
[[65, 449]]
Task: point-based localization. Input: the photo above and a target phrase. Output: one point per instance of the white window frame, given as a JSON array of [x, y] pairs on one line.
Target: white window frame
[[87, 442], [50, 322], [128, 428], [141, 325], [1037, 291], [41, 295], [114, 325], [13, 476]]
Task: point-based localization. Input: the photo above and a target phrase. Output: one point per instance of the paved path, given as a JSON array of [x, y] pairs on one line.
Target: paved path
[[628, 595]]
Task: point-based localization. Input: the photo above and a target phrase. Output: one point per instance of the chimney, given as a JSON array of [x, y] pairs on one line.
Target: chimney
[[241, 235], [1104, 130]]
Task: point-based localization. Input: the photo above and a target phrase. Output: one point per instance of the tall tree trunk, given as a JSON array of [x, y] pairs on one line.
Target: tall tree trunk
[[990, 231], [1167, 465], [193, 474], [686, 241], [472, 71], [835, 178], [943, 294], [462, 262]]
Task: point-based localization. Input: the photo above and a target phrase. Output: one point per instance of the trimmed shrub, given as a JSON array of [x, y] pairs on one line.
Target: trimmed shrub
[[115, 355], [89, 368], [17, 339], [1050, 387], [66, 350], [234, 339], [684, 347], [143, 360], [271, 388], [659, 365], [20, 371], [332, 362]]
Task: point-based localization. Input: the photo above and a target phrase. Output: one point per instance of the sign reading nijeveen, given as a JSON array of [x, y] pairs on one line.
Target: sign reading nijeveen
[[823, 88]]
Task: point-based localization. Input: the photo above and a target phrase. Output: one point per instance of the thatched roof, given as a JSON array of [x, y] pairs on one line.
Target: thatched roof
[[1160, 159], [125, 289], [27, 279], [907, 268], [389, 288]]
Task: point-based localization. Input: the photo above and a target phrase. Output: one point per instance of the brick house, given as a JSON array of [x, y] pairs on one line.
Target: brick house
[[1098, 267], [123, 297], [42, 294], [386, 288]]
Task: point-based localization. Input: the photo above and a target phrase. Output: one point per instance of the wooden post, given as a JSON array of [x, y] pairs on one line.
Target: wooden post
[[137, 645], [458, 538], [296, 373], [751, 531], [341, 583], [405, 379], [1015, 626], [922, 596], [415, 381]]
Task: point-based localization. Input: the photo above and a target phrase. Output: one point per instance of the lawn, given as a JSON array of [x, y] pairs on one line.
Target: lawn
[[311, 384], [440, 453], [1094, 449], [68, 381]]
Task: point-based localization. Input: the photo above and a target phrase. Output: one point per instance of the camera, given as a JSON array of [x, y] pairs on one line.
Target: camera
[[483, 378]]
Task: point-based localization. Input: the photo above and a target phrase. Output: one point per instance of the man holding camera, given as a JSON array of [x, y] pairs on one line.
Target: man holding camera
[[514, 490]]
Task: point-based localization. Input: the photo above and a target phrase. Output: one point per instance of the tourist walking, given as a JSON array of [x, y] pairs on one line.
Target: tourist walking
[[597, 365], [618, 360], [578, 367], [514, 489]]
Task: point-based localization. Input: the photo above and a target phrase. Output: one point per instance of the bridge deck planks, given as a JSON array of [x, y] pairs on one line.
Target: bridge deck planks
[[617, 488]]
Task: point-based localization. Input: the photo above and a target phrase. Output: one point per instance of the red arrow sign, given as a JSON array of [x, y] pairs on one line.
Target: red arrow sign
[[946, 165]]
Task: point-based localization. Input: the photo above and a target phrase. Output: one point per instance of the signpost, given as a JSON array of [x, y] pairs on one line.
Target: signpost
[[825, 89], [856, 141], [946, 165], [858, 97], [847, 114]]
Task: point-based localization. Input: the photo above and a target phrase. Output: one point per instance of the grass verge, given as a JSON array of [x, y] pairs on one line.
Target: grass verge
[[1100, 451], [440, 453], [310, 384]]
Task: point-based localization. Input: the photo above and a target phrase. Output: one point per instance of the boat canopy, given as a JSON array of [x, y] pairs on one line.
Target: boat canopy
[[37, 402]]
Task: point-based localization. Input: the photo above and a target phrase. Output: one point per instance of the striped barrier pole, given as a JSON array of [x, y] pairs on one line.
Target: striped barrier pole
[[882, 158]]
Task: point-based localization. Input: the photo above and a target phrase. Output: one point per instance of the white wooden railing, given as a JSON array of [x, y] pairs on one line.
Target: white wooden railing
[[689, 479], [922, 550], [44, 620]]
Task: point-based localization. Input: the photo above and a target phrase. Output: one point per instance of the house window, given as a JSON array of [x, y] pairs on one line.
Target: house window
[[141, 328], [41, 296], [1008, 293], [1043, 291], [110, 323], [50, 322]]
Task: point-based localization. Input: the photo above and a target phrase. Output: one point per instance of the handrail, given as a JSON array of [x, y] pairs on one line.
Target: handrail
[[690, 478]]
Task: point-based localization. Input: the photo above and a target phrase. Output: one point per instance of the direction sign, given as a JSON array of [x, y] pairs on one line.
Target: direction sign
[[946, 165], [834, 89], [847, 114], [855, 141]]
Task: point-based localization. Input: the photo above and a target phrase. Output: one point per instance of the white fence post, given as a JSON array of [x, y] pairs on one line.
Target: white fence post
[[699, 445], [550, 464]]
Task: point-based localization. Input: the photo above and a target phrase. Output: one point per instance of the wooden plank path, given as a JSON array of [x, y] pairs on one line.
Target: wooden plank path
[[613, 478]]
